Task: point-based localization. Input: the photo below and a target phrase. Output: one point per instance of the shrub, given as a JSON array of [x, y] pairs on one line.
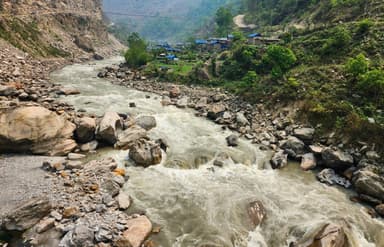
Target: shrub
[[136, 55], [357, 66], [371, 84], [338, 40], [364, 26], [279, 60]]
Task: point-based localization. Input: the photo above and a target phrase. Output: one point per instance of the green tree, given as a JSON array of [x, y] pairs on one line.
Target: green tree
[[224, 20], [357, 66], [279, 60], [137, 54]]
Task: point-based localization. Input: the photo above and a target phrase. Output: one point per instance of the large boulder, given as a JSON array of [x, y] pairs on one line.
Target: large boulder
[[145, 153], [27, 215], [294, 147], [304, 134], [331, 235], [37, 130], [330, 177], [85, 130], [232, 140], [308, 161], [108, 127], [146, 122], [81, 236], [279, 160], [369, 183], [129, 136], [216, 110], [336, 159], [138, 230]]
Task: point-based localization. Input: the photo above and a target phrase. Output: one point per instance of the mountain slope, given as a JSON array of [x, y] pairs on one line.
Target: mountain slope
[[64, 28], [161, 19]]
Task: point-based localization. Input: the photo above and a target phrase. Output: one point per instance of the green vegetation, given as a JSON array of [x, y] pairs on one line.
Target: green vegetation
[[137, 54], [224, 21]]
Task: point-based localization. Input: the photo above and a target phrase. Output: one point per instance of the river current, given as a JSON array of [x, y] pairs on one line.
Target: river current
[[197, 204]]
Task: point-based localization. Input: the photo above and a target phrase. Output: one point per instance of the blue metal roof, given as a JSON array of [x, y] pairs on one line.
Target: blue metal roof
[[201, 41], [254, 35]]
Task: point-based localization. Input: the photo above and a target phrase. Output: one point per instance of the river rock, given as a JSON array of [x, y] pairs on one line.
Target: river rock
[[27, 214], [90, 146], [85, 130], [146, 122], [81, 236], [68, 91], [308, 161], [279, 160], [330, 177], [183, 102], [123, 200], [108, 127], [138, 230], [37, 130], [331, 235], [369, 200], [369, 183], [241, 119], [45, 225], [372, 155], [232, 140], [103, 234], [215, 110], [76, 156], [256, 213], [304, 134], [111, 187], [222, 159], [145, 153], [336, 159], [7, 90], [293, 147], [380, 209], [174, 92], [129, 136]]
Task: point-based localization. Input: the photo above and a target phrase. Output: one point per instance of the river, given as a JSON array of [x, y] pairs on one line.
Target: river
[[197, 204]]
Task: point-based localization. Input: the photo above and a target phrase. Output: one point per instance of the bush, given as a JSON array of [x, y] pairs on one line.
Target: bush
[[338, 40], [371, 84], [137, 54], [357, 66], [279, 60], [364, 26]]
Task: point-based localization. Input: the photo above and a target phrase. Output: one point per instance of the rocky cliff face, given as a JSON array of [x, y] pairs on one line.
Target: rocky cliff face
[[56, 28]]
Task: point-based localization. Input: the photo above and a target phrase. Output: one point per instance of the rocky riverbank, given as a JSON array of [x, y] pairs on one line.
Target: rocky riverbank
[[356, 166]]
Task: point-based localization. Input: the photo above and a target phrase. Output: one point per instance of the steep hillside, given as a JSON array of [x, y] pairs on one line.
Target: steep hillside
[[63, 28], [161, 19], [328, 59]]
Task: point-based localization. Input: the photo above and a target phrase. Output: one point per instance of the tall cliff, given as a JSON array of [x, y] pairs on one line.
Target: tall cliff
[[56, 28]]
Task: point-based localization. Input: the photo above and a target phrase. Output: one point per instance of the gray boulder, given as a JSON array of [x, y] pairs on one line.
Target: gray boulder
[[241, 119], [330, 177], [81, 236], [108, 128], [294, 147], [369, 183], [85, 129], [279, 160], [27, 215], [145, 153], [129, 136], [304, 134], [146, 122], [232, 140], [336, 159]]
